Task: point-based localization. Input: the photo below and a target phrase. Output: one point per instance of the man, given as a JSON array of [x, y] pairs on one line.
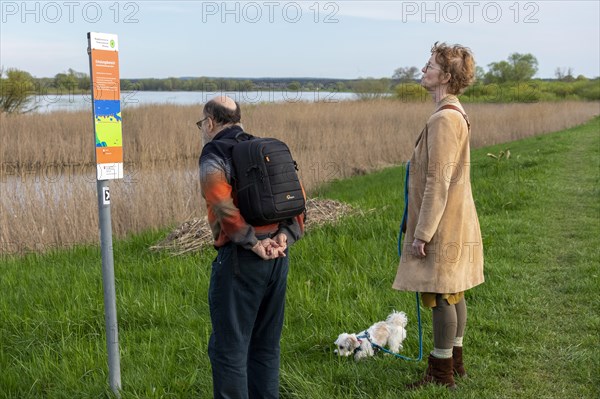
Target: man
[[248, 280]]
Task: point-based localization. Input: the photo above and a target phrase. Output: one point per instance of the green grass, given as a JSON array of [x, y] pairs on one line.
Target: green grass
[[532, 331]]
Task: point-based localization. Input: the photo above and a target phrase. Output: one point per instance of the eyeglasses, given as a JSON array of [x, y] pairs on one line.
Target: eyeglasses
[[199, 123], [428, 65]]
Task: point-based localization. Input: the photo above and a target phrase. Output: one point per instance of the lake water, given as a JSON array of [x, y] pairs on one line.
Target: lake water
[[79, 102]]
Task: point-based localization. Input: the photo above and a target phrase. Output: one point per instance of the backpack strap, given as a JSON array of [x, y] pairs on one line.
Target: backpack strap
[[454, 107], [243, 136], [228, 145]]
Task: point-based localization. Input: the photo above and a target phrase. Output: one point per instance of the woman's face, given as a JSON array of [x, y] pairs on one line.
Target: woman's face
[[433, 76]]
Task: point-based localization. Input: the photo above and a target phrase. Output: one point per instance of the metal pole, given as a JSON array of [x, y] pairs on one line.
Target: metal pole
[[108, 283]]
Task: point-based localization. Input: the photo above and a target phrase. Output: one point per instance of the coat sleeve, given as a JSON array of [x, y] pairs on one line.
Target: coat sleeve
[[443, 142], [292, 228], [222, 212]]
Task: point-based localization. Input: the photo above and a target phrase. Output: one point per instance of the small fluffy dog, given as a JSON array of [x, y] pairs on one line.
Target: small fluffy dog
[[390, 333]]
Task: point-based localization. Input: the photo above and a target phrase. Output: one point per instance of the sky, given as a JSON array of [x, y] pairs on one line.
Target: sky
[[324, 39]]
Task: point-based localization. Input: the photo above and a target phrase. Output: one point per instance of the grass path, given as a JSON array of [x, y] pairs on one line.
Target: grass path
[[548, 248], [563, 259], [533, 326]]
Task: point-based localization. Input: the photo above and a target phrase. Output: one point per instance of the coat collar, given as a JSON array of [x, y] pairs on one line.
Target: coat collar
[[450, 99], [228, 133]]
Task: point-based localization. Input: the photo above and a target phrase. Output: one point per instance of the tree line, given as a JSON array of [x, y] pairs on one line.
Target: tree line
[[504, 81], [510, 80]]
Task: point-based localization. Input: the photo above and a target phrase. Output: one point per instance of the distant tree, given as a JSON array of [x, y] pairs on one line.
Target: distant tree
[[294, 86], [126, 85], [371, 88], [479, 74], [71, 80], [499, 72], [340, 87], [15, 91], [563, 74], [518, 68], [245, 85], [524, 66], [167, 84], [83, 79], [406, 74]]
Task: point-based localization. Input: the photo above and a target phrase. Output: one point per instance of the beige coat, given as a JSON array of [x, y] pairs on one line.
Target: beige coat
[[441, 210]]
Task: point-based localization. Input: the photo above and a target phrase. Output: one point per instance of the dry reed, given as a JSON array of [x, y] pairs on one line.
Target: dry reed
[[47, 185]]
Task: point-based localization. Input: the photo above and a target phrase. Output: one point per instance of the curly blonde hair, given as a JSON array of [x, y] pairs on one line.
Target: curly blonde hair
[[458, 61]]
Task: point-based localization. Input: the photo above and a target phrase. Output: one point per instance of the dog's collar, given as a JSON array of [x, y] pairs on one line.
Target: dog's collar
[[364, 336], [368, 338], [359, 338]]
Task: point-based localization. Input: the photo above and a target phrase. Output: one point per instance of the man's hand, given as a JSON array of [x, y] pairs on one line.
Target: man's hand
[[271, 249], [418, 247], [260, 250], [276, 247], [281, 240]]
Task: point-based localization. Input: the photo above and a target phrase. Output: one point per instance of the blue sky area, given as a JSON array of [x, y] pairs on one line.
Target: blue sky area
[[335, 39]]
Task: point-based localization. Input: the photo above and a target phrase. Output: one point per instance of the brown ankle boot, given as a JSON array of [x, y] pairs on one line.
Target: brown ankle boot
[[459, 366], [439, 371]]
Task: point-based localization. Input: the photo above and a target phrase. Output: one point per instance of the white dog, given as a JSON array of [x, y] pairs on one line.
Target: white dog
[[390, 333]]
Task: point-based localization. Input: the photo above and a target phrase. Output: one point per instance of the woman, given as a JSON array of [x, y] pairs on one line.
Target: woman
[[442, 254]]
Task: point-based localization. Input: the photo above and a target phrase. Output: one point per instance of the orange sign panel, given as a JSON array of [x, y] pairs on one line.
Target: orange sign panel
[[106, 100]]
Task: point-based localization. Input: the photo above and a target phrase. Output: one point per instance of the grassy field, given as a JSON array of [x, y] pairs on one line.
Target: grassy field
[[532, 330]]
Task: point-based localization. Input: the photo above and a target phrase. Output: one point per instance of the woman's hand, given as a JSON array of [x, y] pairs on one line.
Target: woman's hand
[[418, 247]]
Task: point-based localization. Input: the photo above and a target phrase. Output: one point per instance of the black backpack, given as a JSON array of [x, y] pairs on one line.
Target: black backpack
[[266, 180]]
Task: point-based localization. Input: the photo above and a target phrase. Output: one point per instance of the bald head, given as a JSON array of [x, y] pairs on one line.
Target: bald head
[[226, 102], [223, 110]]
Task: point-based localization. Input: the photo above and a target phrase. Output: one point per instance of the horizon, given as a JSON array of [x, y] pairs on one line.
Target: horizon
[[286, 78]]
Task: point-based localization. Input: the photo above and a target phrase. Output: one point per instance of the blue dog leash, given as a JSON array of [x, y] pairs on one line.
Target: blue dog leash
[[405, 214], [402, 225]]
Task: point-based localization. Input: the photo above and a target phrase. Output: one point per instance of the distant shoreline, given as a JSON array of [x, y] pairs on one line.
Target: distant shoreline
[[82, 101]]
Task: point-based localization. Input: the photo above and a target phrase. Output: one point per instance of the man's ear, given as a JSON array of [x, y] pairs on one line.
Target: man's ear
[[210, 124]]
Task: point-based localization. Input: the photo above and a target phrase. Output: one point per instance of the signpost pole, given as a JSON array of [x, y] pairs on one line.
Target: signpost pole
[[108, 284], [106, 106]]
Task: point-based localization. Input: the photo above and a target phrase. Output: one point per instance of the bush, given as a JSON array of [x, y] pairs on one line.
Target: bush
[[15, 91], [411, 92], [512, 92], [588, 89]]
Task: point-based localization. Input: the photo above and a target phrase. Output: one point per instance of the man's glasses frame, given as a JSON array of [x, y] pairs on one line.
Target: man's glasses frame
[[199, 123]]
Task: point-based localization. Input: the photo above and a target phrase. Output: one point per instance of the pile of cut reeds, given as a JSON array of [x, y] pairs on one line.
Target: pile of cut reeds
[[194, 235]]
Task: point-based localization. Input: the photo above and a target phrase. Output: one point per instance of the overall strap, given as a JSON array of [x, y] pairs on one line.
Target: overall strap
[[454, 107]]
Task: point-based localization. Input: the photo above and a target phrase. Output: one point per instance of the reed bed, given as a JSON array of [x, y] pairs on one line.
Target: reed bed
[[166, 135], [47, 183]]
